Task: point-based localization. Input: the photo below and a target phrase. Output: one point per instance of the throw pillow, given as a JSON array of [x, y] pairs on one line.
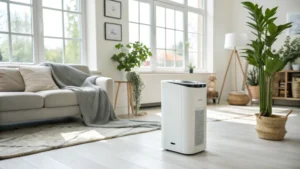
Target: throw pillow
[[37, 78], [11, 80]]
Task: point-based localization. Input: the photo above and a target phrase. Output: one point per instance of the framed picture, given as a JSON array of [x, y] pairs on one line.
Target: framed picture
[[295, 19], [112, 9], [113, 31]]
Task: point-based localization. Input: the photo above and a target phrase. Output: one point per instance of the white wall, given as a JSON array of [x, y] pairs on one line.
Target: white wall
[[222, 24]]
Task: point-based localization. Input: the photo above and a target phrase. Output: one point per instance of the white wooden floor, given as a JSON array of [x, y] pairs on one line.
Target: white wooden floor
[[230, 145]]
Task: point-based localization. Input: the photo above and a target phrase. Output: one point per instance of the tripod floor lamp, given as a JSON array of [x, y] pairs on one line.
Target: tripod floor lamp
[[234, 41]]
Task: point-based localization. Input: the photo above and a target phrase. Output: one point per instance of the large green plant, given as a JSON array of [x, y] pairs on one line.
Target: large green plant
[[260, 53], [131, 55]]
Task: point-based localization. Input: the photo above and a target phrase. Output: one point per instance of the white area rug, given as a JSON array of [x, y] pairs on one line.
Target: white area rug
[[30, 140]]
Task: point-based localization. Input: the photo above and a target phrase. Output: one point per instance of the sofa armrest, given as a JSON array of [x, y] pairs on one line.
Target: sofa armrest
[[107, 84]]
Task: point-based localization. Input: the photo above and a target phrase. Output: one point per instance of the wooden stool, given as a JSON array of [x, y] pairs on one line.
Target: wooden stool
[[129, 95]]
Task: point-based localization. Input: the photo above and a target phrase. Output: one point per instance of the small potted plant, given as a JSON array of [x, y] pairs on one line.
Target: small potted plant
[[291, 52], [252, 80], [191, 68], [130, 56]]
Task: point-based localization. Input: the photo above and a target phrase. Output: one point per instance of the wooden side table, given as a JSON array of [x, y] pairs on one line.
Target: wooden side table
[[129, 95]]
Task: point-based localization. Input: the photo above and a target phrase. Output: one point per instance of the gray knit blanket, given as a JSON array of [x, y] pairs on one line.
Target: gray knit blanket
[[95, 107]]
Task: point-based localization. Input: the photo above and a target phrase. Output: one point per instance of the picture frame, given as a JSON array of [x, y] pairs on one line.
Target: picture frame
[[113, 31], [295, 19], [113, 9]]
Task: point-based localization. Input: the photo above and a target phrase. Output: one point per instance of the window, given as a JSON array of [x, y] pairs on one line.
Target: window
[[62, 42], [33, 31], [16, 37], [140, 24], [195, 36], [169, 37], [176, 32]]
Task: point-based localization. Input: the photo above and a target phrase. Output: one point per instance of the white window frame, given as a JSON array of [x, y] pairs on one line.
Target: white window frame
[[38, 31], [185, 8]]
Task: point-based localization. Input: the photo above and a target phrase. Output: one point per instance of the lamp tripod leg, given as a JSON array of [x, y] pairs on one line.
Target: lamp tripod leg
[[225, 76], [244, 75]]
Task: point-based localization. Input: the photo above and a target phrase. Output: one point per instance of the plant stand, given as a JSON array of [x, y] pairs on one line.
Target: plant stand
[[129, 95], [129, 98], [236, 56]]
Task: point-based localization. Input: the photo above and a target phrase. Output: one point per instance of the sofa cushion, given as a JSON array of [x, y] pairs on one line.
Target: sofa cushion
[[37, 78], [11, 80], [58, 98], [20, 101]]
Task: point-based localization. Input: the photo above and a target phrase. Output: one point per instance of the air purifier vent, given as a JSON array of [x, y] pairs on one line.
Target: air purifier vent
[[199, 127]]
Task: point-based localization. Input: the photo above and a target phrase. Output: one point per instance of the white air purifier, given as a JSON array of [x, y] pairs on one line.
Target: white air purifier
[[183, 116]]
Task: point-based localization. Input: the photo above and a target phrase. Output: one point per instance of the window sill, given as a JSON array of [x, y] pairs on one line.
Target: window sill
[[166, 72]]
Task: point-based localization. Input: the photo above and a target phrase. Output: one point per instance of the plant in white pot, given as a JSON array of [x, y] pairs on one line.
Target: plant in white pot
[[261, 55], [129, 57], [252, 80], [291, 51]]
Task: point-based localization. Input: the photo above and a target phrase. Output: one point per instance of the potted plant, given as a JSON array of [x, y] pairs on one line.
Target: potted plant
[[268, 62], [291, 51], [129, 57], [252, 80], [191, 67]]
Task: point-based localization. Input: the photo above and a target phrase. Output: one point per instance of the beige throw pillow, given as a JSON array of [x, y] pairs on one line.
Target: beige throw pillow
[[11, 80], [37, 78]]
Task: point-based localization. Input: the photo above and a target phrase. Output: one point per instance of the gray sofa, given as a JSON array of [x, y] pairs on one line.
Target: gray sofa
[[20, 107]]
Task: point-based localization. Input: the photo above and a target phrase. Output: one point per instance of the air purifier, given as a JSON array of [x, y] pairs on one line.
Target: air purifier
[[183, 116]]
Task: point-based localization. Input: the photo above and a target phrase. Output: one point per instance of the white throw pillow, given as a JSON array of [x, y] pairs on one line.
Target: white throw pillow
[[37, 78], [11, 80]]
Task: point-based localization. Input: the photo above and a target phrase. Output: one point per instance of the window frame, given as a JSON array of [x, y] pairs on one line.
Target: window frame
[[185, 8], [38, 31]]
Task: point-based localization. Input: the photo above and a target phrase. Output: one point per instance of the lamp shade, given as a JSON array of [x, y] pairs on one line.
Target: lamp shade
[[235, 40]]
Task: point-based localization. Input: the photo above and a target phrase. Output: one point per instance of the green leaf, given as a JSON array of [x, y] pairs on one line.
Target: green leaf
[[272, 28], [252, 61], [274, 65], [118, 46], [249, 5]]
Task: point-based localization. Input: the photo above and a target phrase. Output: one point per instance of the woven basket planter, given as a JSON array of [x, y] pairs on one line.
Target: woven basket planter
[[271, 128], [238, 98]]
